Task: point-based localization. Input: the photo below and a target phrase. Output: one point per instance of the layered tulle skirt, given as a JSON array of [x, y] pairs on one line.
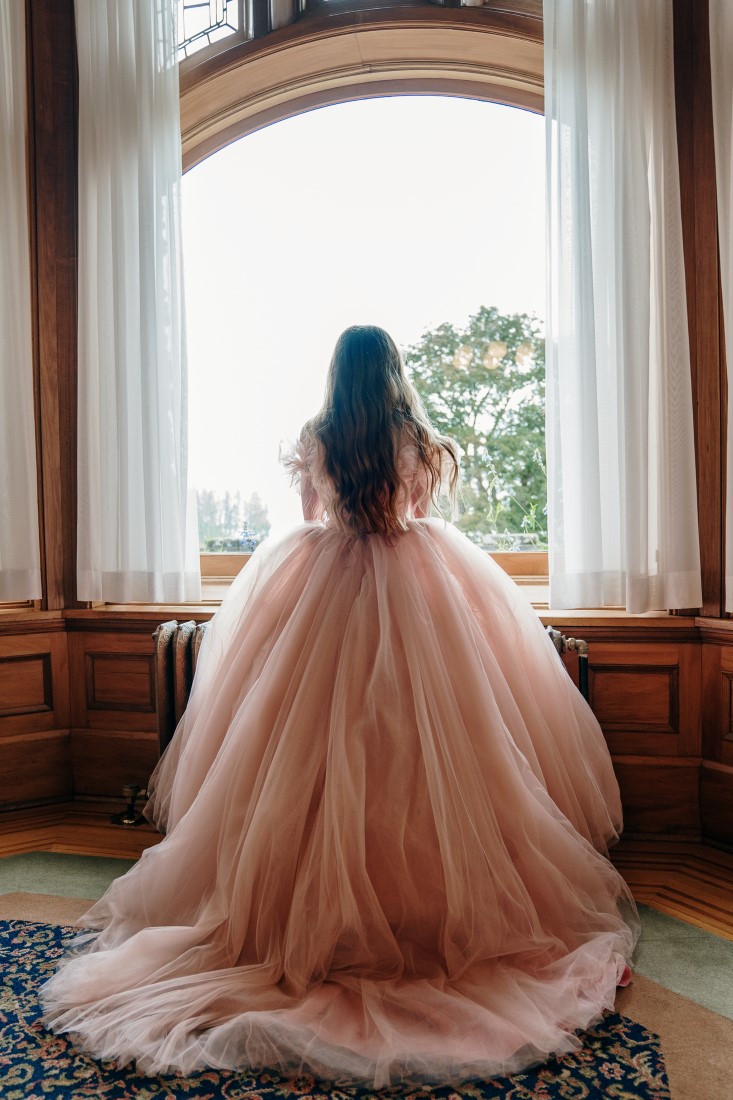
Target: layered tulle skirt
[[386, 808]]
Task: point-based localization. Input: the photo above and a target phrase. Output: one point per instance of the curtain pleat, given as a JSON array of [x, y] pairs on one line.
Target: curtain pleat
[[135, 523], [721, 70], [621, 468], [20, 571]]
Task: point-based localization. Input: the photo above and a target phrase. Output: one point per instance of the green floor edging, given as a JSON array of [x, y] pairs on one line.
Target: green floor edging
[[687, 960], [63, 875]]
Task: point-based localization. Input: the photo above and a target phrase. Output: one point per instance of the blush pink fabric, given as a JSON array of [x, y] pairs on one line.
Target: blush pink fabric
[[386, 811]]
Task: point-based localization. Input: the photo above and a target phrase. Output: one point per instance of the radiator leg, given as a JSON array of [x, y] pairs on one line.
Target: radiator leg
[[583, 675], [129, 817]]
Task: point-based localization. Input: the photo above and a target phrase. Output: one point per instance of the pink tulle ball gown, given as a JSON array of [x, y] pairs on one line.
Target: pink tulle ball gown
[[387, 808]]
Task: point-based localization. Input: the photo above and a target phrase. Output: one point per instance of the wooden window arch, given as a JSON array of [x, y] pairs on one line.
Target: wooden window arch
[[480, 53]]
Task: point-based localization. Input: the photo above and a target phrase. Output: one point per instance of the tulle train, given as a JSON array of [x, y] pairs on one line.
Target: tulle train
[[387, 807]]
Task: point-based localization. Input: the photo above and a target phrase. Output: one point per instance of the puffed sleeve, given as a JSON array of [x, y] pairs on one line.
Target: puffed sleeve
[[299, 462]]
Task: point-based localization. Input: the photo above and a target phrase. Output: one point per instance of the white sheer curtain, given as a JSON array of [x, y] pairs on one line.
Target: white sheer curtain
[[621, 468], [721, 66], [133, 527], [20, 571]]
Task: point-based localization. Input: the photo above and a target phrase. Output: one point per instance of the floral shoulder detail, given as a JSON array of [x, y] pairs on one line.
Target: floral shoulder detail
[[298, 458]]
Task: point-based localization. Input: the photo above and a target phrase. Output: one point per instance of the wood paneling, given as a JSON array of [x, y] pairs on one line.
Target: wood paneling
[[636, 697], [659, 795], [104, 761], [717, 700], [35, 764], [35, 767], [34, 684], [726, 731], [25, 684], [112, 682], [700, 235], [646, 697], [114, 738], [120, 682], [716, 798]]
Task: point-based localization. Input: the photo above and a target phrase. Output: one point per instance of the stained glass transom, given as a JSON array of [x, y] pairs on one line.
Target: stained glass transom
[[202, 22]]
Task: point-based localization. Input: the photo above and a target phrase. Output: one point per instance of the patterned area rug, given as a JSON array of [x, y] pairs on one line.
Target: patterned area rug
[[619, 1060]]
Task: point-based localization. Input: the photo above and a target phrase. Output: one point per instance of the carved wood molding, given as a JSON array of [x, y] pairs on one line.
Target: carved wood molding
[[318, 61]]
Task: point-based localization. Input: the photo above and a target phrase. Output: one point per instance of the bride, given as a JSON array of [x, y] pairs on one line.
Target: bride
[[386, 806]]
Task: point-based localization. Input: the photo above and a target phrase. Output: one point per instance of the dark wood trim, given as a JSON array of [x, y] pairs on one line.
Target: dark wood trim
[[132, 621], [52, 77], [201, 66], [33, 258], [461, 86], [700, 234], [716, 631]]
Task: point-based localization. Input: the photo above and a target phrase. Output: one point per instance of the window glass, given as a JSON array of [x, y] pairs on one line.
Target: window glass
[[203, 22], [422, 214]]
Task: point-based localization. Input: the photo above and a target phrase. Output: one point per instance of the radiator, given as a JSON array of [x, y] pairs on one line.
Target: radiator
[[562, 644], [177, 648]]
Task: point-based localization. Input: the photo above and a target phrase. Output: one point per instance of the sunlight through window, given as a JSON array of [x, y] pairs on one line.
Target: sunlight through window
[[421, 214]]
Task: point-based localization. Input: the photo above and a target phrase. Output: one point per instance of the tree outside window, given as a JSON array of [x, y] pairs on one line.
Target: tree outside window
[[484, 385]]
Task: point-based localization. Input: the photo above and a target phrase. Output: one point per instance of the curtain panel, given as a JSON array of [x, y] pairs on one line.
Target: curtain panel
[[136, 529], [721, 68], [621, 467], [20, 556]]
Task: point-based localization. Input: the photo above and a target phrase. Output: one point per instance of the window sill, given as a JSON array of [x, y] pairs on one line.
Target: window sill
[[219, 570], [602, 619]]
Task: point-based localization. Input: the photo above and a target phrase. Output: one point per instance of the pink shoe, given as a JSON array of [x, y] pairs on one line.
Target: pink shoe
[[625, 978]]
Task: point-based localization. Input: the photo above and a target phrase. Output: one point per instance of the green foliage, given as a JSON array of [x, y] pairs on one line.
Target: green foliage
[[228, 524], [484, 385]]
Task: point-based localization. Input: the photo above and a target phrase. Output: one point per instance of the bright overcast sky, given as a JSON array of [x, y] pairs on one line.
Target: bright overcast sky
[[403, 212]]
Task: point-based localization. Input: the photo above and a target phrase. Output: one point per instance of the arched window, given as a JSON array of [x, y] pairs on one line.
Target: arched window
[[422, 214]]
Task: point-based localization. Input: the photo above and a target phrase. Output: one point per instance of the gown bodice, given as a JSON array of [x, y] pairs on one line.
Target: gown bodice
[[318, 491]]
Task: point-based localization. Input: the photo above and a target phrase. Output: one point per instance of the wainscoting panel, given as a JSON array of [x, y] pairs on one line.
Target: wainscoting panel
[[646, 697], [659, 796], [114, 733], [716, 798], [104, 761], [35, 763], [34, 768], [119, 682], [25, 685], [112, 681], [717, 701], [34, 683]]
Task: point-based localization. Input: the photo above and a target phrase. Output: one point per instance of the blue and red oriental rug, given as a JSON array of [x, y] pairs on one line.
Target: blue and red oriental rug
[[619, 1059]]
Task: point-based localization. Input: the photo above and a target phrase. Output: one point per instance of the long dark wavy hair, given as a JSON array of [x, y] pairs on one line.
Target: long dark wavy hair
[[371, 410]]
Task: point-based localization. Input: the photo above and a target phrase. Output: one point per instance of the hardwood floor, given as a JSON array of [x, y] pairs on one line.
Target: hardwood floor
[[689, 881], [692, 882], [78, 828]]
